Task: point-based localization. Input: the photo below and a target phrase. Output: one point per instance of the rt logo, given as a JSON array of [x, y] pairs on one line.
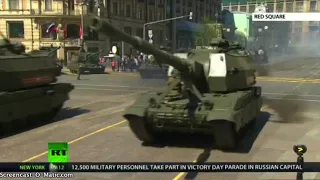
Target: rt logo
[[299, 149]]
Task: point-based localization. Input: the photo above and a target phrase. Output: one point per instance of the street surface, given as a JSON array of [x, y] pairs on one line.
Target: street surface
[[92, 123]]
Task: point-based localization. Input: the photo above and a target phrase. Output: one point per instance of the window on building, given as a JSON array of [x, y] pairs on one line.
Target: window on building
[[139, 13], [161, 37], [299, 7], [48, 5], [139, 32], [13, 4], [71, 4], [150, 15], [234, 8], [190, 3], [151, 2], [270, 8], [115, 8], [44, 33], [15, 29], [251, 8], [313, 6], [178, 9], [128, 10], [289, 7], [72, 31], [243, 8], [160, 2], [91, 6], [280, 7]]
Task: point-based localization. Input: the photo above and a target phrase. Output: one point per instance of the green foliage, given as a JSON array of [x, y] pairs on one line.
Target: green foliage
[[209, 30]]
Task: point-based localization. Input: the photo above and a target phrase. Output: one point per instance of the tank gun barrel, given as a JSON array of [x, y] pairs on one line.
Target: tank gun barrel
[[54, 50], [103, 26], [93, 54]]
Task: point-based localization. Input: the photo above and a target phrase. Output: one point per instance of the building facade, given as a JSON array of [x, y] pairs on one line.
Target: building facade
[[26, 21], [180, 32], [300, 31], [131, 15]]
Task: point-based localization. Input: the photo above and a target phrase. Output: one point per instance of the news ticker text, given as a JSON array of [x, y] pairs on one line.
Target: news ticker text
[[162, 167]]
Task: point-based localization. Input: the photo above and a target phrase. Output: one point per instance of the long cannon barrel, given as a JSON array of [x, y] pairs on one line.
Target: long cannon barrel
[[95, 53], [54, 50], [103, 26]]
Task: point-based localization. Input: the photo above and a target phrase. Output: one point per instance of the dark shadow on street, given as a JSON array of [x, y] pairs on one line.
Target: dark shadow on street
[[202, 158], [67, 113], [31, 123]]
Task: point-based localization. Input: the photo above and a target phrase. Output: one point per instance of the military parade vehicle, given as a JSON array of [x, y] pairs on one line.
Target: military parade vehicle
[[86, 62], [211, 91], [29, 90]]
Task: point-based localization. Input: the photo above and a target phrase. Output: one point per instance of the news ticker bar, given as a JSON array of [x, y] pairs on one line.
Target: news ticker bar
[[162, 167]]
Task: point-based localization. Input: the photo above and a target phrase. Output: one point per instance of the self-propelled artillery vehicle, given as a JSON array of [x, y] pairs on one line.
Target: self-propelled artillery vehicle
[[212, 92], [29, 93], [86, 62]]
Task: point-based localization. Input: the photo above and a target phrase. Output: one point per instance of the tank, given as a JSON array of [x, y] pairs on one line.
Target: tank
[[89, 62], [211, 91], [29, 91]]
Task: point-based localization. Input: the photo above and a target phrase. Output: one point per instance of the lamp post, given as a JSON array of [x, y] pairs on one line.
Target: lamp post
[[164, 20], [82, 23]]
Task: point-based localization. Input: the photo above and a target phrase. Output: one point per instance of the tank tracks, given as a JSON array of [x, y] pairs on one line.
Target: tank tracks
[[29, 121], [225, 135]]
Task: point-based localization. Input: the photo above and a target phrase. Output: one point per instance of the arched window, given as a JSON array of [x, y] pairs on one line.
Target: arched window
[[45, 34], [72, 31]]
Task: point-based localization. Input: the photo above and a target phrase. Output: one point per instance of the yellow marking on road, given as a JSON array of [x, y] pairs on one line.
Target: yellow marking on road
[[182, 173], [78, 139], [292, 80], [179, 176]]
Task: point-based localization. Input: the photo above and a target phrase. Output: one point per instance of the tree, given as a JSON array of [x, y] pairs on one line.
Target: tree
[[207, 32]]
